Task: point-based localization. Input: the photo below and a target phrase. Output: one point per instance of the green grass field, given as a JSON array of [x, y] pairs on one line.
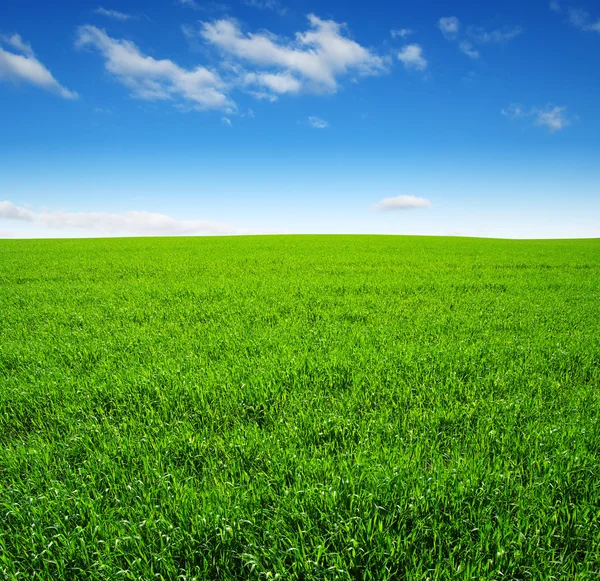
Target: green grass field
[[299, 408]]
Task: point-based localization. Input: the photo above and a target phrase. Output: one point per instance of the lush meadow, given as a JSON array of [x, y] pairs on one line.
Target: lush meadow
[[317, 407]]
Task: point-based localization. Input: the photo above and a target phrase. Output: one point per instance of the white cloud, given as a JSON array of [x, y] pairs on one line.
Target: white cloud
[[317, 123], [276, 82], [263, 96], [552, 117], [401, 203], [467, 48], [134, 222], [450, 27], [401, 32], [499, 36], [205, 6], [317, 58], [15, 41], [578, 17], [23, 66], [226, 121], [114, 14], [261, 64], [514, 111], [267, 5], [583, 20], [555, 6], [152, 79], [412, 57], [9, 211]]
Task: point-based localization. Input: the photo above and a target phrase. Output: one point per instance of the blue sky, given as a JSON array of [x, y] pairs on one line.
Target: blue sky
[[267, 116]]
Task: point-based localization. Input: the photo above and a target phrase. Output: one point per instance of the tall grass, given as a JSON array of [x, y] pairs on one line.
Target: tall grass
[[299, 408]]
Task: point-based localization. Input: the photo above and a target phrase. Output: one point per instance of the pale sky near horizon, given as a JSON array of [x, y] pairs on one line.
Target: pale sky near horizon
[[185, 117]]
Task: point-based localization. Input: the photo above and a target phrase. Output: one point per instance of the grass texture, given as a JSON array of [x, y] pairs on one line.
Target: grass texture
[[299, 408]]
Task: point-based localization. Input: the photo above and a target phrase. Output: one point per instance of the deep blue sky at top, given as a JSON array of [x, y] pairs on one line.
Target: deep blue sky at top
[[495, 123]]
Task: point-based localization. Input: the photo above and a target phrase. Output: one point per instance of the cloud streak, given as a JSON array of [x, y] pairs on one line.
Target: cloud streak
[[315, 61], [273, 5], [451, 28], [499, 36], [552, 117], [467, 48], [134, 222], [114, 14], [583, 20], [401, 203], [18, 64], [262, 64], [205, 6], [156, 79], [401, 32]]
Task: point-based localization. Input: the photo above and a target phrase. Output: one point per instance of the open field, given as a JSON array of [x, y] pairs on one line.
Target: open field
[[316, 407]]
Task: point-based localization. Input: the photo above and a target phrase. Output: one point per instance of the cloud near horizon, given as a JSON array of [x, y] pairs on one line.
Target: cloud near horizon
[[133, 222], [401, 203], [18, 64]]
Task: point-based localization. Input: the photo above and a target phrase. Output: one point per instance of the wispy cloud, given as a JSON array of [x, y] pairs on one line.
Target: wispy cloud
[[204, 6], [317, 123], [401, 32], [134, 222], [467, 48], [450, 27], [267, 5], [263, 96], [315, 61], [261, 64], [412, 57], [583, 20], [401, 203], [553, 117], [114, 14], [18, 64], [555, 6], [17, 43], [226, 121], [151, 79], [499, 36], [514, 111]]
